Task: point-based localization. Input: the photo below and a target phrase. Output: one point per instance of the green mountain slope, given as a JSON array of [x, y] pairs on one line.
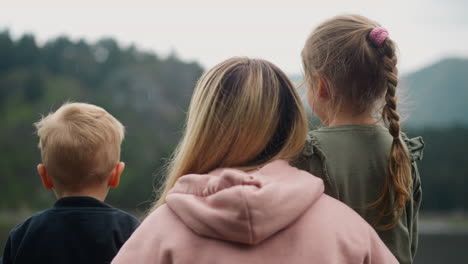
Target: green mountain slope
[[148, 94], [437, 95]]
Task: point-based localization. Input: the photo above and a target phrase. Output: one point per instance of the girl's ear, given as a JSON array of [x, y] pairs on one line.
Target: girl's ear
[[322, 87], [114, 178], [45, 178]]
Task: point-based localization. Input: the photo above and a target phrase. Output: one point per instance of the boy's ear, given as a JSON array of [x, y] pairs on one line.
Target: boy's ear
[[322, 87], [114, 178], [45, 178]]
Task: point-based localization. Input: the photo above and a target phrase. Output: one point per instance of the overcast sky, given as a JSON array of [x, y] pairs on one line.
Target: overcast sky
[[209, 31]]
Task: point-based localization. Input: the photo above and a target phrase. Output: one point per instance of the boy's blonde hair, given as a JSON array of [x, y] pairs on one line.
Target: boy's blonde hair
[[80, 144], [243, 114]]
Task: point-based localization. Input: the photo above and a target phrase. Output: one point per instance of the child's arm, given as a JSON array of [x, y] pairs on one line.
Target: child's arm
[[417, 198], [144, 245], [415, 148], [312, 160], [6, 259]]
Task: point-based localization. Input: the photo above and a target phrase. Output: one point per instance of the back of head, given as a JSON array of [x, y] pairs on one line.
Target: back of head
[[80, 145], [243, 113], [357, 60], [340, 51]]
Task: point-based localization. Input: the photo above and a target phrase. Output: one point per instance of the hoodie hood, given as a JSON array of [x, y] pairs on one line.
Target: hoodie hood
[[244, 207]]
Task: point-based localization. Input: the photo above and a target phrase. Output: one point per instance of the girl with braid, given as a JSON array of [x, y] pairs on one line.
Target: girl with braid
[[360, 152]]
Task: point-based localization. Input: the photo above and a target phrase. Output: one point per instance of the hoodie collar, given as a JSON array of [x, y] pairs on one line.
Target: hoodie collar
[[244, 207]]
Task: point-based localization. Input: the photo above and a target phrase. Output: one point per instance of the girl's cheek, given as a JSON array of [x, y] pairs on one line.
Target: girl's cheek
[[316, 105], [313, 102], [310, 99]]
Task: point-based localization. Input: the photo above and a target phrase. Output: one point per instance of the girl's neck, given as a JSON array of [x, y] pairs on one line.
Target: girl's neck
[[347, 118]]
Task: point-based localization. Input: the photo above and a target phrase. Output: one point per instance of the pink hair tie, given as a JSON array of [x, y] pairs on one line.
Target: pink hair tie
[[378, 35]]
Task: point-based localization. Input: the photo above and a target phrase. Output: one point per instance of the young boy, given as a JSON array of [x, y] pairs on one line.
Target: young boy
[[80, 149]]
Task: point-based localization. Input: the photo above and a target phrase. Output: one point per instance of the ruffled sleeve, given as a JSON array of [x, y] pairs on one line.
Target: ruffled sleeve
[[311, 145], [312, 159], [415, 147]]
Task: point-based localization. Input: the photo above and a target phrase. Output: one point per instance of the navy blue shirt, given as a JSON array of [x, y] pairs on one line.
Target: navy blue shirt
[[74, 230]]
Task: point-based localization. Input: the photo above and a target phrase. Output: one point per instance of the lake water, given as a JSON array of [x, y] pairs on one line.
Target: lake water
[[442, 248]]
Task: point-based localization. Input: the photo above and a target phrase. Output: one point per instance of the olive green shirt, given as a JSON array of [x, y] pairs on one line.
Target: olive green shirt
[[352, 160]]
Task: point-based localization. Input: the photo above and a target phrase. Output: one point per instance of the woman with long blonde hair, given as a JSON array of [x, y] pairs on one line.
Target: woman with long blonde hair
[[230, 195]]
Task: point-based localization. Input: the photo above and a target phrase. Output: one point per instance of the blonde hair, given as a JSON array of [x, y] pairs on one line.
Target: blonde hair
[[243, 113], [80, 144], [361, 74]]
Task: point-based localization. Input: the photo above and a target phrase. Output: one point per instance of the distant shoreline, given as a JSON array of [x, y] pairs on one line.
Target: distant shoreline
[[438, 223]]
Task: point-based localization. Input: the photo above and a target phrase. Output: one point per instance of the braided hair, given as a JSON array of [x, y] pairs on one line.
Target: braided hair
[[358, 60], [399, 179]]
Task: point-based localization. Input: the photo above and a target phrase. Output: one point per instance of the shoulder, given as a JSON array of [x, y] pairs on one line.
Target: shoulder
[[21, 229], [159, 231], [337, 219], [415, 146], [312, 145], [321, 141], [37, 217], [341, 227], [337, 211], [346, 224], [124, 223], [158, 225], [125, 217], [165, 219]]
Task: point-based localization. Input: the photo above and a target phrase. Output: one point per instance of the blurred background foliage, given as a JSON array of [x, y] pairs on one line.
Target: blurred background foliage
[[149, 94]]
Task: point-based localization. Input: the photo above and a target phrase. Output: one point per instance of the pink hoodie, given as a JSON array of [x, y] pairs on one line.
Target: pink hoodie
[[277, 214]]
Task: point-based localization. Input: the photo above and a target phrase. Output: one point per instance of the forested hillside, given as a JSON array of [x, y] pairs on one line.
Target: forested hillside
[[150, 95], [147, 93], [444, 169], [436, 103], [437, 96]]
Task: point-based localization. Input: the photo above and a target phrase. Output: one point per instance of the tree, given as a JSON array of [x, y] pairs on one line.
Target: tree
[[33, 87], [27, 53], [6, 51]]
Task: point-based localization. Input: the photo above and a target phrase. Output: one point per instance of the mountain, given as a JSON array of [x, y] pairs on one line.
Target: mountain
[[437, 95], [149, 94]]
